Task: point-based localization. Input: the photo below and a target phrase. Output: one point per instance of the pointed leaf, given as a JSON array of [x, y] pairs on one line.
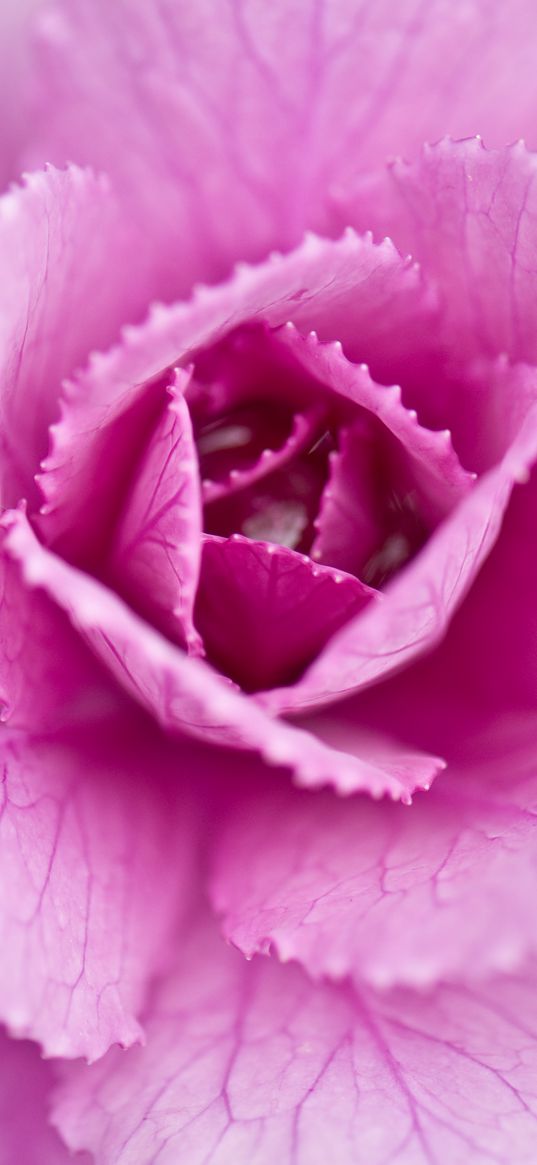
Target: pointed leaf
[[155, 556]]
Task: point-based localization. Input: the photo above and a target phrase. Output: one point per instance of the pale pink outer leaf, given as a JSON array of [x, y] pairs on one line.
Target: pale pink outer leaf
[[155, 556], [423, 597], [468, 214], [95, 864], [63, 292], [251, 1062], [233, 131], [26, 1083], [48, 677], [185, 695], [484, 403], [352, 290], [387, 895]]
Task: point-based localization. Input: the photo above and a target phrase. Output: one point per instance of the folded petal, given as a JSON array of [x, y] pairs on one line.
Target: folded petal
[[48, 677], [186, 695], [252, 1062], [354, 291], [63, 250], [420, 602], [264, 611], [348, 519], [384, 894], [95, 865], [432, 463], [155, 556], [26, 1083], [234, 130]]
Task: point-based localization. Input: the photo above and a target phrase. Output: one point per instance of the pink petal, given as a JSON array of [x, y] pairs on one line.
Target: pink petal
[[485, 667], [264, 611], [155, 557], [422, 598], [347, 524], [469, 215], [95, 864], [499, 395], [185, 695], [26, 1083], [48, 677], [484, 403], [63, 291], [384, 894], [434, 465], [252, 1062], [233, 131], [490, 655], [343, 289], [507, 676]]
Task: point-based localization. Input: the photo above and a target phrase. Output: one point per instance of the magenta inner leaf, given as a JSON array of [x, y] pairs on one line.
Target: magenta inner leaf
[[314, 486], [286, 462], [264, 611]]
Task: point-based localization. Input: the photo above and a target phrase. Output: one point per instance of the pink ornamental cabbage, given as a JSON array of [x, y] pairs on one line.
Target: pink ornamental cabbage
[[268, 430]]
